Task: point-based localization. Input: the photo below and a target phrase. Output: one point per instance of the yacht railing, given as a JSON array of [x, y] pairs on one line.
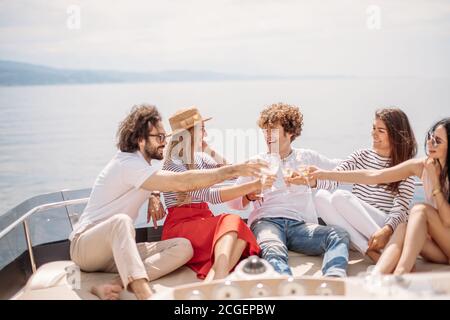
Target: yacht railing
[[23, 220]]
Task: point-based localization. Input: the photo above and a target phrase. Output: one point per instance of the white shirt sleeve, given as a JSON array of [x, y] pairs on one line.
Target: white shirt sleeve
[[323, 162], [135, 171]]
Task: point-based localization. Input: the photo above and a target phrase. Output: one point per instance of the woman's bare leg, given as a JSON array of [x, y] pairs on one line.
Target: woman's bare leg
[[222, 255], [237, 253], [437, 246], [424, 220], [391, 254], [433, 253], [416, 235]]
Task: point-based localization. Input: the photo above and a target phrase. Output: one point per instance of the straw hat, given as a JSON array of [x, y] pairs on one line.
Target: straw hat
[[185, 119]]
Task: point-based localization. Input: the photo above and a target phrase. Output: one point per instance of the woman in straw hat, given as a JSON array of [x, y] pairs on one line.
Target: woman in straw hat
[[219, 242]]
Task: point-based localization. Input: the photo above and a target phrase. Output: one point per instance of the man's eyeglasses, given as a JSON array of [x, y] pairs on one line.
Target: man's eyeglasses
[[435, 142], [161, 137]]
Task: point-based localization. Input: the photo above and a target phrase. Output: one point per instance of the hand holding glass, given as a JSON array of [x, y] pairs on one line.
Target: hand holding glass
[[288, 169], [273, 159]]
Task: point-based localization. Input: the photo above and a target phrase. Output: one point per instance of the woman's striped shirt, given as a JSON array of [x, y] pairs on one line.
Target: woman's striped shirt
[[210, 195], [396, 206]]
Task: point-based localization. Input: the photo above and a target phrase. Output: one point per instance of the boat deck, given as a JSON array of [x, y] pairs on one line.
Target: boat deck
[[29, 240], [50, 281]]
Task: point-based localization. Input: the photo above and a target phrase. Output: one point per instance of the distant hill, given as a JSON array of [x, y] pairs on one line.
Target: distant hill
[[14, 73], [18, 73]]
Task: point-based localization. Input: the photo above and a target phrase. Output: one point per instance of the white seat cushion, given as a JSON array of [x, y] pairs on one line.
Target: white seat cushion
[[51, 280]]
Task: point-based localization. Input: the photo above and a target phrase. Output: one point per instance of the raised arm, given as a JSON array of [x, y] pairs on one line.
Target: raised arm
[[166, 181], [412, 167], [237, 191], [443, 208], [238, 203], [224, 194], [346, 165]]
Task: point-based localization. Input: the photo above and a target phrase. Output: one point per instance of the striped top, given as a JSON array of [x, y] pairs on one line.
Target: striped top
[[396, 206], [211, 194]]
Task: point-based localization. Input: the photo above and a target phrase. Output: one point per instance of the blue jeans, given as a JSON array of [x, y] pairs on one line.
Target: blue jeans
[[276, 236]]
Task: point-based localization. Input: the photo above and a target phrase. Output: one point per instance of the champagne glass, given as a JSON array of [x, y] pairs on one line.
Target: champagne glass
[[262, 177], [304, 172], [264, 172], [303, 169], [273, 160], [310, 212], [288, 169]]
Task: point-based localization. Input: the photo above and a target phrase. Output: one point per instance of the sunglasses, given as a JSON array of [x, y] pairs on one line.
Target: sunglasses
[[161, 137], [435, 142]]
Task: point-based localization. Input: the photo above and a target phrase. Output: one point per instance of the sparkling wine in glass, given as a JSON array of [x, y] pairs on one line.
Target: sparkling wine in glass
[[288, 169], [304, 172], [273, 160]]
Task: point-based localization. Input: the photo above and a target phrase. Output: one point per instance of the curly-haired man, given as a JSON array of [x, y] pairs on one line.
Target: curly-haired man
[[285, 219], [104, 237]]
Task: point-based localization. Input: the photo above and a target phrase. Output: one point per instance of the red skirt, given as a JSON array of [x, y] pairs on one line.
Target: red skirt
[[198, 224]]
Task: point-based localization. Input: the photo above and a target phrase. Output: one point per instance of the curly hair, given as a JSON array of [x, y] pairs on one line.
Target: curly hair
[[136, 126], [288, 116]]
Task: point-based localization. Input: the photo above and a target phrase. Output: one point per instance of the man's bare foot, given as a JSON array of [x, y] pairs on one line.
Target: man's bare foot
[[107, 291], [374, 255]]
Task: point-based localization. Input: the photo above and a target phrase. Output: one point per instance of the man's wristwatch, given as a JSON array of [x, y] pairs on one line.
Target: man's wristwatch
[[156, 193]]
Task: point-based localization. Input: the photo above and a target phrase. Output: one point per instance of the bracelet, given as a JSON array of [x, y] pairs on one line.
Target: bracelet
[[436, 191], [249, 198]]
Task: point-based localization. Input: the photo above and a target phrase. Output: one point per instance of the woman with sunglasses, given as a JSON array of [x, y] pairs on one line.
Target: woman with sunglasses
[[427, 232], [371, 213]]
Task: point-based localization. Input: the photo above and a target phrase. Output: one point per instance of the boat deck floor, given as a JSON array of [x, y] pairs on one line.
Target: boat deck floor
[[50, 280]]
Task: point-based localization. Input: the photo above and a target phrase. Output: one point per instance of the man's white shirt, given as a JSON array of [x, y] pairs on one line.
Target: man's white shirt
[[117, 189]]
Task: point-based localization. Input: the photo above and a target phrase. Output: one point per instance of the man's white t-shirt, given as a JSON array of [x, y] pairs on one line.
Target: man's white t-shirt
[[117, 189]]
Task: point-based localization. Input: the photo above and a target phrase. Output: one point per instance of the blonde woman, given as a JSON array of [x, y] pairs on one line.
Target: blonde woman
[[220, 241]]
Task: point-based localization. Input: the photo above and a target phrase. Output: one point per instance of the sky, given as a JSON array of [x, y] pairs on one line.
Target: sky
[[390, 38]]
